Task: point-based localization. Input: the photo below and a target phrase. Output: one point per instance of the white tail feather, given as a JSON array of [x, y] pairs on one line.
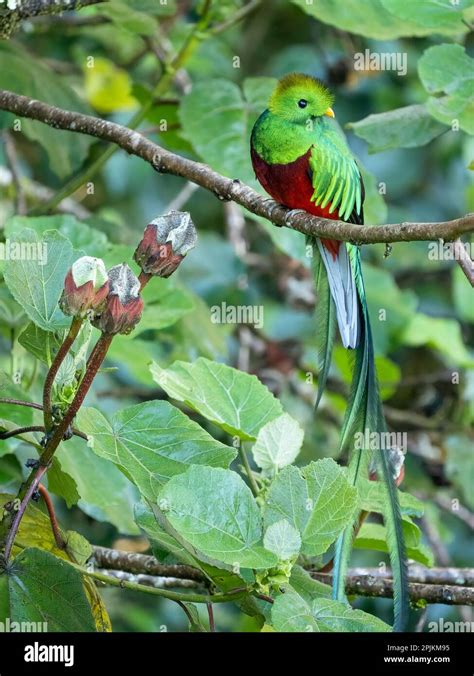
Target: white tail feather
[[344, 293]]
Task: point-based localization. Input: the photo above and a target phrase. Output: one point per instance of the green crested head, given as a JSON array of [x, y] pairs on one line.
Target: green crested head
[[299, 97]]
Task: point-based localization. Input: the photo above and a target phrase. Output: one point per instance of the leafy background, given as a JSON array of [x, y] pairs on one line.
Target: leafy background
[[416, 167]]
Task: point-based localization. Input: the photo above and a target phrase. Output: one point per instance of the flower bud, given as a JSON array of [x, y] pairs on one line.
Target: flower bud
[[165, 242], [123, 306], [85, 287]]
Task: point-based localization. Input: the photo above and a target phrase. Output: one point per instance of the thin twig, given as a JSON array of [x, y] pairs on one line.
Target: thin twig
[[58, 538], [35, 428], [21, 430], [190, 597], [464, 260], [19, 402], [164, 161]]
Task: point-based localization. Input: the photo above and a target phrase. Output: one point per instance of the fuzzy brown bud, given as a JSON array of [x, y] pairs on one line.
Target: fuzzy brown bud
[[123, 306], [166, 241], [85, 287]]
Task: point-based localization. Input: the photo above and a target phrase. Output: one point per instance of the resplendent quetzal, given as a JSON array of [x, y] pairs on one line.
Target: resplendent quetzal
[[302, 160]]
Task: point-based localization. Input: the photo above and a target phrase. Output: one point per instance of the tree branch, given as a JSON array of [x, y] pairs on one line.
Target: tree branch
[[166, 162], [459, 577], [451, 586], [133, 562], [151, 580], [377, 586], [26, 9]]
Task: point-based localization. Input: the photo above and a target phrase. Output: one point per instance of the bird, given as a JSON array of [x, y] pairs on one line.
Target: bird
[[302, 160]]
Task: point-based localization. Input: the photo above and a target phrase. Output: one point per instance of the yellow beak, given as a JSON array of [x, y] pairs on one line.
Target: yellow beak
[[330, 112]]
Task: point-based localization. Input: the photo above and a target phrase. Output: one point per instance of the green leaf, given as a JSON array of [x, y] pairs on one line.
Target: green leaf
[[443, 335], [217, 118], [152, 442], [62, 484], [459, 465], [10, 311], [446, 68], [451, 110], [406, 127], [40, 343], [38, 287], [308, 588], [164, 305], [377, 19], [10, 471], [372, 497], [235, 401], [38, 587], [278, 444], [82, 236], [20, 415], [317, 501], [215, 512], [123, 353], [373, 536], [160, 539], [29, 76], [34, 531], [128, 18], [282, 539], [106, 494], [290, 612], [433, 16]]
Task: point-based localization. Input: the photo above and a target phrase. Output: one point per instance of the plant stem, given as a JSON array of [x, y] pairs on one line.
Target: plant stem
[[27, 490], [19, 402], [52, 373], [58, 538], [170, 69], [248, 471], [210, 613], [172, 596], [144, 278]]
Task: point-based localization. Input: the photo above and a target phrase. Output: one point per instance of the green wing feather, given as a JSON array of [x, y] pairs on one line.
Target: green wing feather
[[335, 174]]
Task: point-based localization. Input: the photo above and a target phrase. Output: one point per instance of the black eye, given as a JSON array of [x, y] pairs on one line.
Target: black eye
[[302, 103]]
